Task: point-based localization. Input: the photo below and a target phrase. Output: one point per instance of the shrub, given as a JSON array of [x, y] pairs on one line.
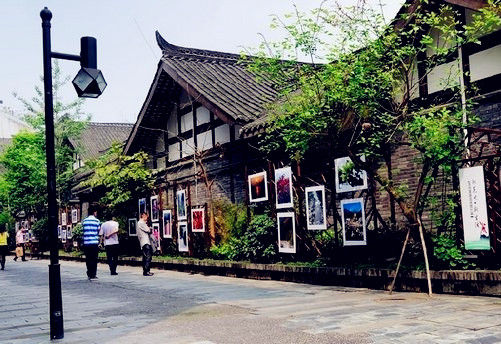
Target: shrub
[[231, 220], [41, 232], [448, 255], [256, 243]]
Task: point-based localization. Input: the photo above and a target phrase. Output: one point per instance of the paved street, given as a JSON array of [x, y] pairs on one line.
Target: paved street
[[173, 307]]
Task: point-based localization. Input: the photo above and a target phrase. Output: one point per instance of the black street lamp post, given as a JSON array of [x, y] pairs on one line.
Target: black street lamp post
[[89, 82]]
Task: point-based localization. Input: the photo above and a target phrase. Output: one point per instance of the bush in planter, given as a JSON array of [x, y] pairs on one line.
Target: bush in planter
[[257, 243]]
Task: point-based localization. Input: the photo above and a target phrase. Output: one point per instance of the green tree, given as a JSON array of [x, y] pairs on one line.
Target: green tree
[[69, 122], [121, 178], [361, 102], [23, 185]]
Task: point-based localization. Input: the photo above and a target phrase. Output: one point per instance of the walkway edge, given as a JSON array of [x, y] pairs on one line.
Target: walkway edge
[[464, 282]]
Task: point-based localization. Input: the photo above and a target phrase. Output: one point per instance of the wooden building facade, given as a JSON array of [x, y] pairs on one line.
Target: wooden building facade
[[204, 113]]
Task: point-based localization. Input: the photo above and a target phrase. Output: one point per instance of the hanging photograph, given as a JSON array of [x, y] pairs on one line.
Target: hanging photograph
[[167, 222], [198, 220], [155, 211], [63, 219], [155, 236], [132, 227], [182, 236], [353, 217], [181, 204], [69, 232], [474, 208], [286, 232], [283, 188], [74, 216], [347, 177], [63, 235], [142, 206], [258, 187], [315, 207], [59, 229]]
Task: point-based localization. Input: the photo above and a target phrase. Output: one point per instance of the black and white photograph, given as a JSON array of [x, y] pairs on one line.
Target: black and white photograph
[[258, 187], [315, 207], [132, 227], [348, 178], [74, 216], [182, 236], [286, 232], [64, 219], [69, 232], [353, 217]]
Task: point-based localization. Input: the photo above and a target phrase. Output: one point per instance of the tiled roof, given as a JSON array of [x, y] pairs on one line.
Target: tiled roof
[[221, 77], [219, 81], [98, 137]]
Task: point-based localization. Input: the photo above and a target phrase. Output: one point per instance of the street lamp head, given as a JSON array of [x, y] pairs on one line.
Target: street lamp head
[[89, 82]]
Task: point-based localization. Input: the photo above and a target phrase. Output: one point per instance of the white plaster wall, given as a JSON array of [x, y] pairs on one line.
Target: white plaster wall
[[485, 63]]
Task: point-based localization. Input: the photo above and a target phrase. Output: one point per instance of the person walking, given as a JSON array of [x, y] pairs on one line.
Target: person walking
[[109, 232], [20, 247], [143, 234], [90, 229], [3, 246]]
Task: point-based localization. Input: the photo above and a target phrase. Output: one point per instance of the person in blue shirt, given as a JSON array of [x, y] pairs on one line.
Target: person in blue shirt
[[91, 226]]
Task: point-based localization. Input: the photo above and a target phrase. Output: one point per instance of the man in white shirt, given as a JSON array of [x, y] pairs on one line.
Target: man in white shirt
[[143, 234], [109, 232]]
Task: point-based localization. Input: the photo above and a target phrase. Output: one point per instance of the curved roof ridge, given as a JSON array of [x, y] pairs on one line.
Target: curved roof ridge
[[171, 49]]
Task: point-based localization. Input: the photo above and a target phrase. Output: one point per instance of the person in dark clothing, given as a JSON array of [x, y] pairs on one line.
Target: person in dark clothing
[[91, 226], [109, 232]]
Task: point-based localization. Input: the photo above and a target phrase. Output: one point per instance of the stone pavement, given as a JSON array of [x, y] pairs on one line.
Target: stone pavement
[[174, 307]]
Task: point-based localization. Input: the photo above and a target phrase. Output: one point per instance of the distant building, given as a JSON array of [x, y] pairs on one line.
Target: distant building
[[96, 139], [10, 125]]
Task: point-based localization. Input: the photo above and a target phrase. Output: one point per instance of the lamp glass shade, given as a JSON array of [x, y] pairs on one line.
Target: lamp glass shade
[[89, 83]]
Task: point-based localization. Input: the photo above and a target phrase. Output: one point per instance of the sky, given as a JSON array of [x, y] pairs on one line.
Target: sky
[[128, 54]]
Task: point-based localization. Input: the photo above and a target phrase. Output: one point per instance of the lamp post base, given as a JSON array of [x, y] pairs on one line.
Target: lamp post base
[[56, 302]]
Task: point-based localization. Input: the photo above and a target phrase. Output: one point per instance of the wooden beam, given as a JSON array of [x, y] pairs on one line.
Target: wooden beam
[[471, 4]]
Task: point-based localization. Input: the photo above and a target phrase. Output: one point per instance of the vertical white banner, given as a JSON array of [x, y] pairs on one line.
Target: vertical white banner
[[474, 208]]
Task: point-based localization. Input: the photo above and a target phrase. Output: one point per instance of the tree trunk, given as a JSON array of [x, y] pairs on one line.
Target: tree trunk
[[400, 260], [425, 253], [212, 220]]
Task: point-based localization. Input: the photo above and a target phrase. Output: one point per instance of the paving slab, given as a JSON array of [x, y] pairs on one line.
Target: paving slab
[[175, 307]]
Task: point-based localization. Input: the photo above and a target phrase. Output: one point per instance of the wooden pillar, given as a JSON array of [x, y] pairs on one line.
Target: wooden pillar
[[175, 223], [301, 222], [271, 189], [457, 205], [188, 220], [246, 180]]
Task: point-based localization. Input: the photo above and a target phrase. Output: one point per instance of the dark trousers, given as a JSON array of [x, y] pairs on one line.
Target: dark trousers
[[3, 252], [147, 253], [91, 252], [112, 256]]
